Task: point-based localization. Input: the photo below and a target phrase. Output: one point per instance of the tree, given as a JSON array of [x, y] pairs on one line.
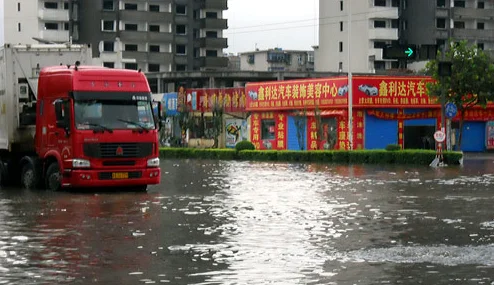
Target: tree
[[471, 79], [217, 128]]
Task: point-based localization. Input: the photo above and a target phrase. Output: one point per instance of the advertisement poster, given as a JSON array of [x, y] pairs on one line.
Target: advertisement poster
[[490, 135], [236, 130]]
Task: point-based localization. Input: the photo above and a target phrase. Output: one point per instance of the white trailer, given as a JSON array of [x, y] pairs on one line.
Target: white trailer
[[19, 70]]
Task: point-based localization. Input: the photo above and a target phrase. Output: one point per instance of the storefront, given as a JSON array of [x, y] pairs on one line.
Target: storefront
[[313, 114]]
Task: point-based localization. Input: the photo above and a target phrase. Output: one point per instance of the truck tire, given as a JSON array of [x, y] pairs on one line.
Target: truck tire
[[53, 179], [29, 176]]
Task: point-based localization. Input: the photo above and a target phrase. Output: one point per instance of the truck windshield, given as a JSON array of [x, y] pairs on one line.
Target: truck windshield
[[111, 115]]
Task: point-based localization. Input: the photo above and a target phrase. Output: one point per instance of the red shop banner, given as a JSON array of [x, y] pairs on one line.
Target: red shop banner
[[387, 91], [297, 94], [203, 100]]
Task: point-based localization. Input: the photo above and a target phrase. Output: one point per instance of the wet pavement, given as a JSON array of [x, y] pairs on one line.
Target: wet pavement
[[227, 222]]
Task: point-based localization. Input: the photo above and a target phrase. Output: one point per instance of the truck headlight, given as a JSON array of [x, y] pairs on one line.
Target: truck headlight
[[80, 163], [154, 162]]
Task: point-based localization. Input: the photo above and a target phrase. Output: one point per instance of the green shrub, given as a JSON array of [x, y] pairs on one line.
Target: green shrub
[[419, 157], [393, 147], [244, 145]]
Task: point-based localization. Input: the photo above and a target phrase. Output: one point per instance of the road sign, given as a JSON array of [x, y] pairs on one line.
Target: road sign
[[399, 52], [450, 110], [439, 136]]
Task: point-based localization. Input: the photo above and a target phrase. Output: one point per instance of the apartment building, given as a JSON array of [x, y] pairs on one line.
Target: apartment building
[[151, 35], [277, 59], [376, 23], [25, 21]]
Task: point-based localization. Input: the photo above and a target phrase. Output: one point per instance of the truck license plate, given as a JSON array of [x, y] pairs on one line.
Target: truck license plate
[[120, 175]]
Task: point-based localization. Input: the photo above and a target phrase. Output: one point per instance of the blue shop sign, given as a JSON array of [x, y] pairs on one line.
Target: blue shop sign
[[170, 103]]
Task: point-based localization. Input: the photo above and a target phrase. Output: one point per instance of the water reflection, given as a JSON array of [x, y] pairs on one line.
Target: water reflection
[[215, 222]]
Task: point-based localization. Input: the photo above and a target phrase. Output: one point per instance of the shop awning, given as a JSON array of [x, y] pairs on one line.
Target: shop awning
[[324, 113]]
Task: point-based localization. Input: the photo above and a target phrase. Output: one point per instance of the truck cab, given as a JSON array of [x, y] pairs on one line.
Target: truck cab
[[95, 127]]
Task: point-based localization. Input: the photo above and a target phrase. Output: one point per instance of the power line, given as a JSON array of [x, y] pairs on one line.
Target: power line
[[307, 20]]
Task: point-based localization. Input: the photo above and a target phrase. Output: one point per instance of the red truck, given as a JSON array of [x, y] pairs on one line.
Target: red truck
[[94, 127]]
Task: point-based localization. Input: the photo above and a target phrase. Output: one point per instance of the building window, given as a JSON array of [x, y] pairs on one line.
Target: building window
[[131, 66], [181, 67], [181, 10], [51, 5], [251, 59], [108, 5], [195, 33], [18, 7], [341, 46], [108, 46], [181, 29], [379, 65], [181, 49], [108, 26], [130, 6], [66, 5], [379, 44], [480, 26], [154, 48], [51, 26], [459, 25], [153, 67], [211, 15], [341, 5], [405, 25], [441, 23], [131, 47], [154, 28], [211, 34], [459, 3], [66, 26], [19, 27], [395, 24], [131, 27], [211, 53], [154, 8], [395, 3], [480, 46], [341, 26], [109, 64], [267, 129], [441, 3], [380, 3], [340, 66], [379, 24], [480, 5]]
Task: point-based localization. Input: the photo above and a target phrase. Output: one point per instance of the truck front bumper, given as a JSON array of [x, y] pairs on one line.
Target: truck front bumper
[[84, 178]]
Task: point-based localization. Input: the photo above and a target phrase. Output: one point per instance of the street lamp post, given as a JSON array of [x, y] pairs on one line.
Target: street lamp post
[[350, 83]]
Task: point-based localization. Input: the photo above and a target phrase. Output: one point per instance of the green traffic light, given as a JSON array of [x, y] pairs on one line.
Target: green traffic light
[[409, 52]]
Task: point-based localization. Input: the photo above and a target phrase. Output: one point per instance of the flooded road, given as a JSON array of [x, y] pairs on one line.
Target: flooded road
[[226, 222]]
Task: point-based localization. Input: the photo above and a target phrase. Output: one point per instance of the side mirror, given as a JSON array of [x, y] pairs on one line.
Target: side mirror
[[62, 114], [157, 117]]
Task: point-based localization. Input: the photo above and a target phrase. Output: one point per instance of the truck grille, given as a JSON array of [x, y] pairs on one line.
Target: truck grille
[[119, 163], [118, 150]]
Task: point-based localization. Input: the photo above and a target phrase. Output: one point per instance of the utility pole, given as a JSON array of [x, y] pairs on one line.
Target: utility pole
[[350, 78]]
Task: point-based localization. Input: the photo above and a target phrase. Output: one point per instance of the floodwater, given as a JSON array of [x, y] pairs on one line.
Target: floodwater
[[226, 222]]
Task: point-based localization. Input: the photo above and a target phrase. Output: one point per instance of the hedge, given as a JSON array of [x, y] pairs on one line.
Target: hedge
[[422, 157]]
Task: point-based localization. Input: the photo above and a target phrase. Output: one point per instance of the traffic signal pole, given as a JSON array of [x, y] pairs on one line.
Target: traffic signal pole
[[350, 78]]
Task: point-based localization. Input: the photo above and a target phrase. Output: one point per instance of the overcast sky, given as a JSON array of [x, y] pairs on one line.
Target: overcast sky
[[288, 24], [252, 22]]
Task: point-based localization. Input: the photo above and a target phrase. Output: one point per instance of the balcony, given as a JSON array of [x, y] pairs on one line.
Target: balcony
[[442, 12], [213, 43], [148, 56], [160, 37], [181, 59], [145, 16], [214, 4], [472, 13], [383, 34], [213, 62], [215, 24], [142, 36], [383, 13], [442, 34], [55, 35], [162, 57], [473, 34], [57, 15]]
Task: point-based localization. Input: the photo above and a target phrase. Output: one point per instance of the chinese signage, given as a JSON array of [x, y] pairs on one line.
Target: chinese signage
[[358, 130], [343, 139], [275, 136], [170, 103], [402, 116], [373, 91], [281, 126], [231, 99], [297, 94]]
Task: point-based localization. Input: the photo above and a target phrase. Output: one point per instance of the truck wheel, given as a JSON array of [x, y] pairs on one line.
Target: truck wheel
[[29, 177], [53, 179]]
